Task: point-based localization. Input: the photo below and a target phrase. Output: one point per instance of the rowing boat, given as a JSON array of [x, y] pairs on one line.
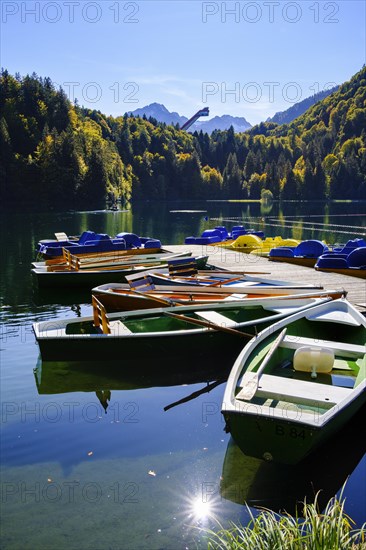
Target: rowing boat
[[222, 279], [77, 273], [298, 382], [201, 332], [122, 297], [107, 259]]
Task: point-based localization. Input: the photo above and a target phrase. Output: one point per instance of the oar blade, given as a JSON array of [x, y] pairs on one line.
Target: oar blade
[[250, 379], [250, 387]]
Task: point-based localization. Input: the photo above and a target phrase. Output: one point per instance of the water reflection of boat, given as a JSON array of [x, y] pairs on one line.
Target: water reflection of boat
[[280, 487], [62, 296], [102, 377]]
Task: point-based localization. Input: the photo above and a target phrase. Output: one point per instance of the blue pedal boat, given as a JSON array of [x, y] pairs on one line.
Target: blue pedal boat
[[221, 234], [90, 243], [306, 253], [349, 260]]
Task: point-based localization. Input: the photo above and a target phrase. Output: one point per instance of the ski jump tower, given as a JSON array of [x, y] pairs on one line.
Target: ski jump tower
[[202, 112]]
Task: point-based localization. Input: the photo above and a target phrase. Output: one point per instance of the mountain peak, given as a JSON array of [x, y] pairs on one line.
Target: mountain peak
[[157, 106], [161, 114]]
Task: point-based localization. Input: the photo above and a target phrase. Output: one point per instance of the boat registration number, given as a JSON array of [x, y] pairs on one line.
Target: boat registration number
[[294, 433]]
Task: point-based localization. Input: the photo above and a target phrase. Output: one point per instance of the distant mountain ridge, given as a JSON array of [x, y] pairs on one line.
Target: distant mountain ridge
[[285, 117], [240, 124], [161, 114]]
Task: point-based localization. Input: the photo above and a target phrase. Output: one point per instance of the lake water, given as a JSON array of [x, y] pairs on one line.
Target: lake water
[[90, 459]]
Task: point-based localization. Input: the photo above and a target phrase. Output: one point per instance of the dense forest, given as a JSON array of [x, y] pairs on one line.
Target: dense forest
[[285, 117], [55, 154]]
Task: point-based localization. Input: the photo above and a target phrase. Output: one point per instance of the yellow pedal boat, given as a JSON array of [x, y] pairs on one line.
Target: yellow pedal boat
[[253, 244]]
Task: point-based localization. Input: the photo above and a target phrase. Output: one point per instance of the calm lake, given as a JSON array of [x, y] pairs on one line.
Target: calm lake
[[90, 458]]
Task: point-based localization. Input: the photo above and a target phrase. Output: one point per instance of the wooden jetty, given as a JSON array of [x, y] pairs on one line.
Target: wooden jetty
[[237, 261]]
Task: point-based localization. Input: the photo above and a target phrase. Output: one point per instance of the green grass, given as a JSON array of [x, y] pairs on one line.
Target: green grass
[[312, 530]]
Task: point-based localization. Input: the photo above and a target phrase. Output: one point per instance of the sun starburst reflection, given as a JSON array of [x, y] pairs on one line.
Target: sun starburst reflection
[[201, 510]]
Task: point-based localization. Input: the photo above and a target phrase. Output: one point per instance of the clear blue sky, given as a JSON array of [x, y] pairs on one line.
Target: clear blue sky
[[118, 56]]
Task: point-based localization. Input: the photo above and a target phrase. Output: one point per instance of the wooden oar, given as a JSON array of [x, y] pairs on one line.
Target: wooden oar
[[154, 298], [195, 394], [190, 279], [225, 281], [229, 272], [250, 380], [208, 324]]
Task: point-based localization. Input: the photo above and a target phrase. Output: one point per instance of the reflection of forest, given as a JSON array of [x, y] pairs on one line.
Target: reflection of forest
[[104, 397], [55, 377]]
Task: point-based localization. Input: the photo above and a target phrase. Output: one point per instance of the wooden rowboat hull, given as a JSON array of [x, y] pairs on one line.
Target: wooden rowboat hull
[[94, 277], [223, 278], [118, 299], [74, 279], [123, 255], [51, 260]]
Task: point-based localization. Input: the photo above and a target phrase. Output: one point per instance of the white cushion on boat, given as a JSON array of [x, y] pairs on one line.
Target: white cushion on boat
[[235, 297], [214, 317], [313, 359], [118, 328], [61, 236], [243, 284]]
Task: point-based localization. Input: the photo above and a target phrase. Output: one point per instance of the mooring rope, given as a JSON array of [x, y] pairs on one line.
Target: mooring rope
[[324, 224], [334, 228]]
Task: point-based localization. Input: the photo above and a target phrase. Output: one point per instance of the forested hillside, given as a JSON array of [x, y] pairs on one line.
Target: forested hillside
[[285, 117], [56, 154]]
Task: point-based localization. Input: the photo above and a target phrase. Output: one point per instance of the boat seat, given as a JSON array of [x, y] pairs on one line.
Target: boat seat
[[214, 317], [182, 267], [235, 297], [117, 328], [142, 284], [343, 349], [61, 236], [104, 323], [299, 391]]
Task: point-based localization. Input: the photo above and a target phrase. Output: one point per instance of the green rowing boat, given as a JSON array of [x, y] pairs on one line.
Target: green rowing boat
[[298, 382], [198, 332]]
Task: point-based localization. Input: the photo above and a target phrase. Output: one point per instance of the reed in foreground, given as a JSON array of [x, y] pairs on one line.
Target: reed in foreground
[[330, 530]]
